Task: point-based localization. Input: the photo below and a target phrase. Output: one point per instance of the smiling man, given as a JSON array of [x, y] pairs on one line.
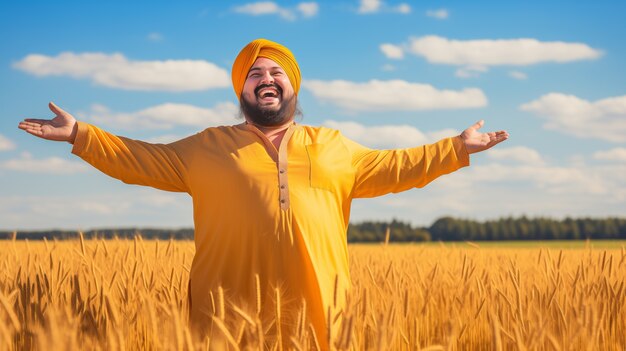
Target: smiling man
[[268, 98], [271, 198]]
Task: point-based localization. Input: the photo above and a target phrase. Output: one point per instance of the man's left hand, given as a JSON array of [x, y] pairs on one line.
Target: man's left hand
[[476, 141]]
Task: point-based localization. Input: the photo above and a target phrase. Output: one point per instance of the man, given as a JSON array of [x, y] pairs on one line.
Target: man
[[271, 198]]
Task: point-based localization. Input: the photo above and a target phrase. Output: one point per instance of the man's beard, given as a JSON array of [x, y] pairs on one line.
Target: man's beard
[[269, 117]]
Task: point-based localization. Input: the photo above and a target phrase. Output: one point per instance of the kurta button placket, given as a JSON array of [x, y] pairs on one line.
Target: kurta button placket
[[283, 182], [280, 157]]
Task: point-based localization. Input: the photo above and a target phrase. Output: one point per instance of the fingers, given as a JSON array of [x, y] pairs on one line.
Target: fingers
[[56, 109], [35, 121], [501, 135], [31, 128], [497, 137], [488, 140], [478, 125], [477, 142], [471, 131], [35, 132]]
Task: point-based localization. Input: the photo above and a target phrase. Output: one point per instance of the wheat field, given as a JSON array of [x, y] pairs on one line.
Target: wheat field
[[132, 295]]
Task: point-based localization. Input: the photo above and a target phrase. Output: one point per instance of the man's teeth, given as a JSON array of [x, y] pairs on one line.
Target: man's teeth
[[268, 93]]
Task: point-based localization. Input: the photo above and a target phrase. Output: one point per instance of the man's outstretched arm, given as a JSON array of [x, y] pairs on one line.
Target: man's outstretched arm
[[380, 172], [131, 161]]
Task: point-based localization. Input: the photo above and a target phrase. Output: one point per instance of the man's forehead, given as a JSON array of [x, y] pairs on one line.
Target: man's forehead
[[264, 63]]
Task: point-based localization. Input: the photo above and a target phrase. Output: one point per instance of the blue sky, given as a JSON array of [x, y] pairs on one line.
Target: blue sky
[[386, 73]]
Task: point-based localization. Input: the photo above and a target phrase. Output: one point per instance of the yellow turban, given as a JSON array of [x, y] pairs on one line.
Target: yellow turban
[[268, 49]]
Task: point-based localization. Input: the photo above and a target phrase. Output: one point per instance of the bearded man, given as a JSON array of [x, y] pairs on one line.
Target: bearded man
[[271, 198]]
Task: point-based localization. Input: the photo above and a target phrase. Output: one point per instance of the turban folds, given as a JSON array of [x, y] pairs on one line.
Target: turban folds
[[268, 49]]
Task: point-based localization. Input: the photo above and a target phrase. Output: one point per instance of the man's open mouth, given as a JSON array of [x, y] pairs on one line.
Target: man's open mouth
[[268, 91]]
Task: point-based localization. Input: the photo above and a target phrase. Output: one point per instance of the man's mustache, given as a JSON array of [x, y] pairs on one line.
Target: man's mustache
[[263, 86]]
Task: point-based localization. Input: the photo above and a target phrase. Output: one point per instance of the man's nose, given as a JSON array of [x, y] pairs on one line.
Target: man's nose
[[267, 78]]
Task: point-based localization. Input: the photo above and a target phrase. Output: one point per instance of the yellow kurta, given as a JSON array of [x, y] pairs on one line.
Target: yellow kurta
[[281, 215]]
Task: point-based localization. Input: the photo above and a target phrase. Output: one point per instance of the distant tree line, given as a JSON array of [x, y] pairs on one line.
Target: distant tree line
[[443, 229], [377, 232], [130, 233], [454, 229]]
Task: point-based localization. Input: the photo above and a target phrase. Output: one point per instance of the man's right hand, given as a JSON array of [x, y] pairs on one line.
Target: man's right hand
[[62, 127]]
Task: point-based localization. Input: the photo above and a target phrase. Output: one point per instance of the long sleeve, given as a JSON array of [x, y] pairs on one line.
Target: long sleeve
[[132, 161], [378, 172]]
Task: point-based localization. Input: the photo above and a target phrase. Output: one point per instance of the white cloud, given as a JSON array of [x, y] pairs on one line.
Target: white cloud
[[388, 136], [262, 8], [573, 179], [602, 119], [119, 205], [553, 179], [164, 116], [577, 160], [393, 95], [471, 71], [49, 209], [617, 154], [308, 9], [475, 56], [258, 8], [516, 154], [116, 71], [490, 52], [51, 165], [370, 6], [375, 6], [403, 9], [6, 144], [438, 14], [265, 8], [380, 137], [518, 75], [155, 37], [504, 189], [441, 134], [392, 51]]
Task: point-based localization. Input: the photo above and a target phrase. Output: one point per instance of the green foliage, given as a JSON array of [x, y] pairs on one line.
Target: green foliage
[[523, 228], [376, 232], [148, 233], [443, 229]]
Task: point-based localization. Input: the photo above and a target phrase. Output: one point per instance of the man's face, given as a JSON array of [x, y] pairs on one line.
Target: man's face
[[268, 98]]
